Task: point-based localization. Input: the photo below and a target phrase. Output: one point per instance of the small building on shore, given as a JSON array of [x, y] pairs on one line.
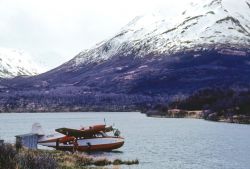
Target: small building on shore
[[27, 140]]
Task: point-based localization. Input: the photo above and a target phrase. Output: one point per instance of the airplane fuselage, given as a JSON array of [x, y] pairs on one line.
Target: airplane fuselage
[[107, 143]]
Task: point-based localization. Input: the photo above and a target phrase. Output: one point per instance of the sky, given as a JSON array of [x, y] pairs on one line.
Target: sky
[[54, 31]]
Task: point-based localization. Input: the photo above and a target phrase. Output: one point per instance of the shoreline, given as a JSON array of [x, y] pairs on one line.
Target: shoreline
[[199, 114], [71, 112], [53, 159]]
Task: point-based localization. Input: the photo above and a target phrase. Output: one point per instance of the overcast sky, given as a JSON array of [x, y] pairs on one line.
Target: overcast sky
[[54, 31]]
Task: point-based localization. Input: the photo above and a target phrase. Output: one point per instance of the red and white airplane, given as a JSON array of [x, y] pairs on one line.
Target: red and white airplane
[[91, 138]]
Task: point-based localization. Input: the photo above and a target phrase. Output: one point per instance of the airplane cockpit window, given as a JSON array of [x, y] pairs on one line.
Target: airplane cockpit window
[[104, 134], [98, 135]]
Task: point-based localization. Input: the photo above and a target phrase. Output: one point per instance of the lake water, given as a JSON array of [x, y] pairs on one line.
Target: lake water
[[156, 142]]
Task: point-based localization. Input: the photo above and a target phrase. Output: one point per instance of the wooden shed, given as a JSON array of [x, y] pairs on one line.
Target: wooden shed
[[27, 140]]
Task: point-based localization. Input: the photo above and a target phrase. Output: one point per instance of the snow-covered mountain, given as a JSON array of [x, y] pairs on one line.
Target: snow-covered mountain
[[16, 63], [156, 58], [209, 22]]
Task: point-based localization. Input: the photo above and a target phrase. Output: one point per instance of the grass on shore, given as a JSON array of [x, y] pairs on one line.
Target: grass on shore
[[10, 158]]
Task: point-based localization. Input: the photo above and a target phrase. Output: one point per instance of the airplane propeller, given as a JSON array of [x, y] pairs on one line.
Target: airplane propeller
[[104, 121]]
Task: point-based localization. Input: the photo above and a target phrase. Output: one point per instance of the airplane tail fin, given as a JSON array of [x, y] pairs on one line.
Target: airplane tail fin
[[37, 129]]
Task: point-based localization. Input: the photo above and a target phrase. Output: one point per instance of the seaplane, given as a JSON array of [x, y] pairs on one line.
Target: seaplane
[[88, 139]]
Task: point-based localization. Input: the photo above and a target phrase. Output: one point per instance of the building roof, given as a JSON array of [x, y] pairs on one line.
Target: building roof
[[26, 135]]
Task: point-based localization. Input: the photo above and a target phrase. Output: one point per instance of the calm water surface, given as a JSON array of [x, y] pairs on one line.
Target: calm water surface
[[157, 143]]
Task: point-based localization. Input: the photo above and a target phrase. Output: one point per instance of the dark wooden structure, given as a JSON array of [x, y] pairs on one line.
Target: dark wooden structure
[[1, 142]]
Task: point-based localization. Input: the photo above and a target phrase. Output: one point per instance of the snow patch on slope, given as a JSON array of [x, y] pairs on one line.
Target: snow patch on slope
[[17, 63]]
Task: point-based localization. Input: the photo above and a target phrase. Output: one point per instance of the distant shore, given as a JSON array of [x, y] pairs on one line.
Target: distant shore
[[199, 114]]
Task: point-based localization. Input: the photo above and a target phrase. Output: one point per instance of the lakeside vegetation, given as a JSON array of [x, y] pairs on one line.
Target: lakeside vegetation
[[214, 104], [20, 158]]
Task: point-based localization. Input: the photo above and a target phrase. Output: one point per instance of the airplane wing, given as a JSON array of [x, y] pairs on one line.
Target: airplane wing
[[72, 132], [86, 131]]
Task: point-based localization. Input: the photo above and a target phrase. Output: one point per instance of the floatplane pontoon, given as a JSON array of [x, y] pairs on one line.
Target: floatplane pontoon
[[92, 138]]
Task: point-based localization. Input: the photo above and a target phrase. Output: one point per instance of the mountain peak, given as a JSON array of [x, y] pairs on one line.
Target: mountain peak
[[207, 23]]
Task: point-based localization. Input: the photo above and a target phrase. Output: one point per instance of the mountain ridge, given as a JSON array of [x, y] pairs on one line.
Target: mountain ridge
[[141, 67], [149, 38]]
